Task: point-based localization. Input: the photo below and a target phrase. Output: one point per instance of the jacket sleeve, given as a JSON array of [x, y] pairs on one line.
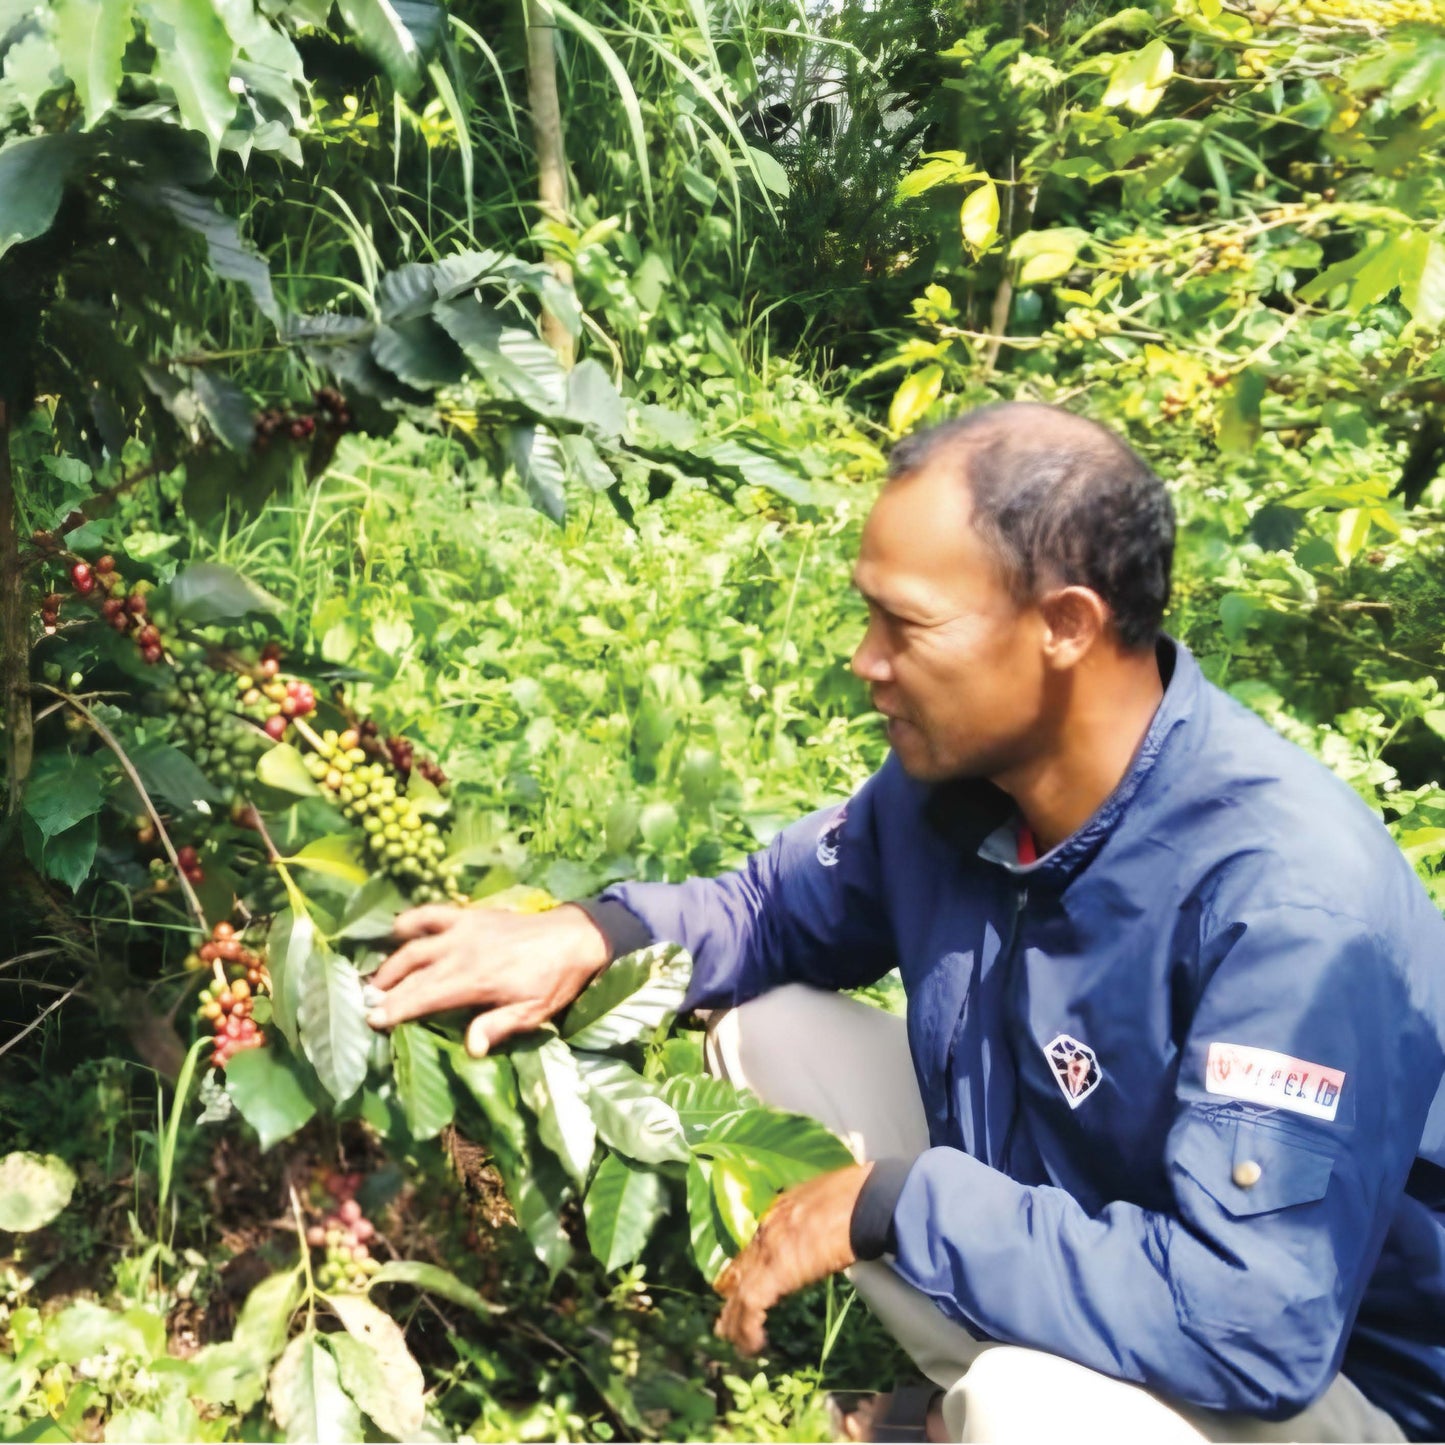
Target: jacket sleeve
[[807, 909], [1284, 1179]]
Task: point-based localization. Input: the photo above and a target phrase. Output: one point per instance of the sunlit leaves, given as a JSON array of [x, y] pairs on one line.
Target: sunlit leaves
[[1046, 255], [332, 1018], [916, 393], [270, 1097], [376, 1369], [1138, 79], [306, 1395], [551, 1086], [979, 215], [91, 37], [34, 1188], [193, 57], [421, 1080]]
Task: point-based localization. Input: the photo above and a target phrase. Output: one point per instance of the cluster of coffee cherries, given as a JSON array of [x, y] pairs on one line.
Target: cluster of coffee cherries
[[271, 699], [401, 753], [331, 407], [345, 1233], [230, 1007], [202, 702], [122, 606], [403, 843]]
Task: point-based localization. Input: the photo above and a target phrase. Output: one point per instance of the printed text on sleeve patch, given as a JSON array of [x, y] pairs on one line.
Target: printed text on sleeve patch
[[1274, 1080]]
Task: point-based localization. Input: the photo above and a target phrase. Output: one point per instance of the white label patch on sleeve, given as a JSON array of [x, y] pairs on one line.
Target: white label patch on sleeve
[[1274, 1080]]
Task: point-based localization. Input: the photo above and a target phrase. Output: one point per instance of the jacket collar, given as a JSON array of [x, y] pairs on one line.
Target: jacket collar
[[977, 817]]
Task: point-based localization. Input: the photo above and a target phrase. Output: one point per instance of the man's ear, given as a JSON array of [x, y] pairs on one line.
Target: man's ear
[[1075, 619]]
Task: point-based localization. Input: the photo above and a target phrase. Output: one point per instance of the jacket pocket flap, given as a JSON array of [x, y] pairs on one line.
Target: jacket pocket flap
[[1251, 1167]]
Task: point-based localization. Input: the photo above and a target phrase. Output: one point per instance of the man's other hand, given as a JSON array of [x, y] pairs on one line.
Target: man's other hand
[[521, 968], [804, 1237]]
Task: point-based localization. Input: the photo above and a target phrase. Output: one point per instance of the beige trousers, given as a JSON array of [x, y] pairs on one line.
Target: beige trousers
[[848, 1065]]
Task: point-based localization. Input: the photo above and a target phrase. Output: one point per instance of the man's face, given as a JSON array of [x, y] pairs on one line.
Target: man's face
[[952, 660]]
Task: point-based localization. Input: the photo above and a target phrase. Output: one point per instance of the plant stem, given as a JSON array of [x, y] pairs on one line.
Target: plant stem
[[14, 638]]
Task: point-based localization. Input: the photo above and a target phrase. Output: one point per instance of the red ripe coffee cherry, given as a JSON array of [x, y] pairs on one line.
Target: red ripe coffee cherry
[[187, 857], [148, 636], [105, 564], [269, 667], [111, 608], [120, 622], [83, 578], [136, 603], [276, 727], [152, 654]]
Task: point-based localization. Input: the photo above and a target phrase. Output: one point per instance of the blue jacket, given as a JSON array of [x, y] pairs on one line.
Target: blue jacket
[[1178, 1072]]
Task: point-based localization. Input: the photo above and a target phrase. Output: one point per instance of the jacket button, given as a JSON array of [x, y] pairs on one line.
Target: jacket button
[[1247, 1173]]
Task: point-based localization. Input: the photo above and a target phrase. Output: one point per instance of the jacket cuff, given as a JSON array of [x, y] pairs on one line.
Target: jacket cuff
[[870, 1231], [622, 929]]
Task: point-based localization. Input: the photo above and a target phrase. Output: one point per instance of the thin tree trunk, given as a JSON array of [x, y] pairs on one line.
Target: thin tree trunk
[[551, 151], [14, 634]]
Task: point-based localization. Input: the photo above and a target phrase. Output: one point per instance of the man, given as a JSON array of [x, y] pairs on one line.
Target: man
[[1153, 1159]]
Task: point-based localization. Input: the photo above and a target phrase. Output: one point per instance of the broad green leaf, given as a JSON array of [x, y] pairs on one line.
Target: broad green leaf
[[978, 217], [306, 1395], [170, 776], [288, 951], [207, 592], [701, 1101], [268, 1094], [34, 1188], [770, 169], [1046, 255], [226, 407], [230, 257], [917, 392], [68, 856], [434, 1280], [1138, 80], [265, 1319], [421, 1081], [1352, 530], [376, 1368], [514, 362], [774, 1148], [944, 168], [754, 467], [399, 35], [537, 455], [585, 464], [492, 1082], [63, 790], [630, 1114], [550, 1085], [629, 1000], [332, 1016], [704, 1227], [536, 1183], [420, 353], [624, 1203], [371, 913], [282, 767], [338, 855], [1422, 284], [593, 401], [740, 1198], [193, 57]]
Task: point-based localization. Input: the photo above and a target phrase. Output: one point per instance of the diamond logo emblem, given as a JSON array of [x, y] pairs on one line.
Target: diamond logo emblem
[[1075, 1068]]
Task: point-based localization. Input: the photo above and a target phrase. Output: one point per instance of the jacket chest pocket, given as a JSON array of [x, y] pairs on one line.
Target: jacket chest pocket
[[1249, 1165]]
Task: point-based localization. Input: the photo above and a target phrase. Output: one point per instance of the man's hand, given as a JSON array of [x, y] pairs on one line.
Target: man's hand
[[522, 968], [803, 1238]]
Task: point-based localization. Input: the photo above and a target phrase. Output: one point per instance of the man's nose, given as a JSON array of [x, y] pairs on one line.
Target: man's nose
[[870, 662]]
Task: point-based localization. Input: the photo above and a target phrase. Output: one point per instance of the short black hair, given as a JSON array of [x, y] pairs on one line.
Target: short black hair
[[1062, 501]]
